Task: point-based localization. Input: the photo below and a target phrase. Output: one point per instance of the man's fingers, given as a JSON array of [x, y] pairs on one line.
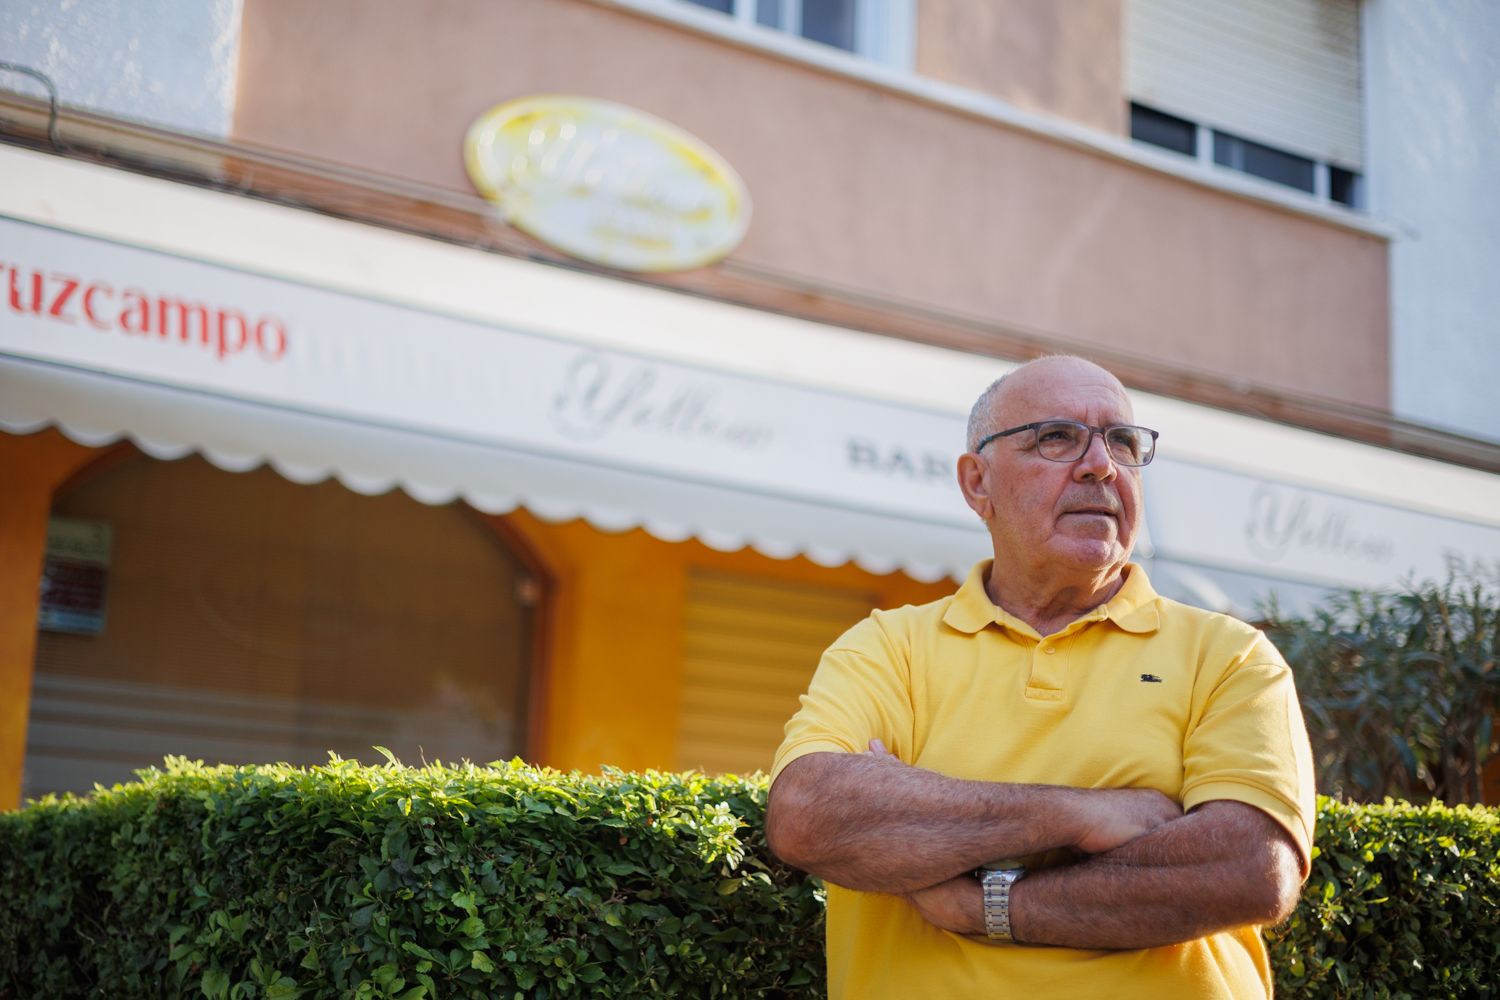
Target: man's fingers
[[1115, 816], [954, 905]]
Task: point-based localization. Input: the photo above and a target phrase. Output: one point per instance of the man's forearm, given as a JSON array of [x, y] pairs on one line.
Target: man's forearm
[[869, 822], [1225, 865], [880, 826]]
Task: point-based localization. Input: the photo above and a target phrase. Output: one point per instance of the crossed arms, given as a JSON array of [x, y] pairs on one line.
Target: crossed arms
[[1150, 876]]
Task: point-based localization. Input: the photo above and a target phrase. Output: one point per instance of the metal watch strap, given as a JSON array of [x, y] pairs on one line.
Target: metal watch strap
[[996, 886]]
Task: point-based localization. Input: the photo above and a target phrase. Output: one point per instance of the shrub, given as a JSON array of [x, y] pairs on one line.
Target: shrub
[[351, 881], [1400, 691], [1403, 901]]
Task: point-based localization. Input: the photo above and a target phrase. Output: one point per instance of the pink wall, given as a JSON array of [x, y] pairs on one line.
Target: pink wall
[[1063, 59], [857, 187]]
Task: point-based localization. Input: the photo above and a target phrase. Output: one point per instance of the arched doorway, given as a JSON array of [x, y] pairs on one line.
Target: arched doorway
[[249, 619]]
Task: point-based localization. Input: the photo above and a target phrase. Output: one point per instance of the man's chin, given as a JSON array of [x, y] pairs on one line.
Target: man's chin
[[1092, 554]]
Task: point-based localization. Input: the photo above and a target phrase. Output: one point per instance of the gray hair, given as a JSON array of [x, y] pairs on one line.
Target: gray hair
[[982, 416]]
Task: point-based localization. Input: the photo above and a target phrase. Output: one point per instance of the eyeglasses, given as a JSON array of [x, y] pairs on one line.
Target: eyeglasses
[[1069, 440]]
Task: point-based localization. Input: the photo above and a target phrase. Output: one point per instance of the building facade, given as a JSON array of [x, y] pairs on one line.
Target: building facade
[[405, 474]]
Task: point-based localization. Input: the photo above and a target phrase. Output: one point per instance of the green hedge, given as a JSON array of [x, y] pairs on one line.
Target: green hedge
[[1403, 901], [352, 881]]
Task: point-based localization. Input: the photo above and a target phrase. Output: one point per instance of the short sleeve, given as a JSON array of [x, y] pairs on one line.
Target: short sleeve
[[1249, 744], [860, 691]]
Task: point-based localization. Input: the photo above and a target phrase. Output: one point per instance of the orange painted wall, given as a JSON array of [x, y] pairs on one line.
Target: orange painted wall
[[32, 467]]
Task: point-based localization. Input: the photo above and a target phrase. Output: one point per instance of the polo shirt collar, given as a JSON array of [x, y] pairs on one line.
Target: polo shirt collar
[[1133, 608]]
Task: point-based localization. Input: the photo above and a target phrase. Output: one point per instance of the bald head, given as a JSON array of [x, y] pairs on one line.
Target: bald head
[[1004, 403]]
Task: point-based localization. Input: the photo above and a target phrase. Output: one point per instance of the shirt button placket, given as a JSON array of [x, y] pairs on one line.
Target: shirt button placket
[[1046, 682]]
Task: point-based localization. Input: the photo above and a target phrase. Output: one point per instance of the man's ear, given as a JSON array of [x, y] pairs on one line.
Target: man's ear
[[972, 476]]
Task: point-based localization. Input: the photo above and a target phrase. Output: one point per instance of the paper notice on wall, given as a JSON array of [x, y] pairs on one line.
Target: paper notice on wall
[[75, 576]]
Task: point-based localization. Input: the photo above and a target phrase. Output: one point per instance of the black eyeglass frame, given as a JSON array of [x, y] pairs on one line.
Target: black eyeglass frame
[[1102, 432]]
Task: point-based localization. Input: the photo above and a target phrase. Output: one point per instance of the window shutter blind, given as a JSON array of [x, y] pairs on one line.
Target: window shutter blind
[[1285, 73]]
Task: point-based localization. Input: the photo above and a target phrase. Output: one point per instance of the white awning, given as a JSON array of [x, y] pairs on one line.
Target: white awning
[[368, 457]]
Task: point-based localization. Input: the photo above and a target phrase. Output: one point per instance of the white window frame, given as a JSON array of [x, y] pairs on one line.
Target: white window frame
[[884, 30], [1203, 145]]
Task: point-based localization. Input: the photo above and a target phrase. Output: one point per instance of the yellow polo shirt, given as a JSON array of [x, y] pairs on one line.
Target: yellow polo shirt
[[1142, 692]]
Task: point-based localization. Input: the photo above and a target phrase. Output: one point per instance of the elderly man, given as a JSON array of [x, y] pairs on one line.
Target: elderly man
[[1054, 783]]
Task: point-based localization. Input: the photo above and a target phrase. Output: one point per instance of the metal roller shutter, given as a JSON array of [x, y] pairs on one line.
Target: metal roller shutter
[[749, 648], [1281, 72]]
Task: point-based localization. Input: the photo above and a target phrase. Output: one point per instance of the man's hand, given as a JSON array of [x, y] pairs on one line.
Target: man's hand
[[956, 906], [1116, 816]]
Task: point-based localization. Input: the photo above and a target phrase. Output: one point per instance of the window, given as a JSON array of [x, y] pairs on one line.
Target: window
[[1164, 130], [1320, 179], [877, 29], [1344, 186], [1263, 161], [1270, 88]]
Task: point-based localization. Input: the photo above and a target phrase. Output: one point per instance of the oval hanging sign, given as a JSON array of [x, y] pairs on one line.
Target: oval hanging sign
[[607, 183]]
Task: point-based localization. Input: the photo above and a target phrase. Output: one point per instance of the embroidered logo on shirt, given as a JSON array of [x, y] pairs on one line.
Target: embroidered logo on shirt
[[1150, 678]]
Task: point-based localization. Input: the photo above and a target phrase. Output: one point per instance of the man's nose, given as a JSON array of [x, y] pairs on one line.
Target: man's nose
[[1096, 462]]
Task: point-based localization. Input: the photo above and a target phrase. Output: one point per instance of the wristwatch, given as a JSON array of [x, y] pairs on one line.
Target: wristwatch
[[996, 885]]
